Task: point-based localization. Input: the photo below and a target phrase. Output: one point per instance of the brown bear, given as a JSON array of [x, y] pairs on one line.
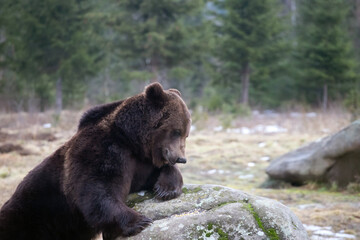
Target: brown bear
[[119, 148]]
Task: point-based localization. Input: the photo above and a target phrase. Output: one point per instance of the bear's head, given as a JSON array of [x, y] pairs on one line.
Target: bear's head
[[169, 123]]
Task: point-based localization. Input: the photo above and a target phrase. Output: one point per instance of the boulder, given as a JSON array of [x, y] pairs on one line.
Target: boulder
[[335, 158], [216, 212]]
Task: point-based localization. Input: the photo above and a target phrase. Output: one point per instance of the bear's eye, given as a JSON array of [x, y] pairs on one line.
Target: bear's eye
[[177, 133]]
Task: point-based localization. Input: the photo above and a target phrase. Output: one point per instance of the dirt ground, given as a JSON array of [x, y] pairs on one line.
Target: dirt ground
[[236, 156]]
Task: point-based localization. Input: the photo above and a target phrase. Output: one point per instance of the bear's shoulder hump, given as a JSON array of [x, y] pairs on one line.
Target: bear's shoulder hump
[[95, 114]]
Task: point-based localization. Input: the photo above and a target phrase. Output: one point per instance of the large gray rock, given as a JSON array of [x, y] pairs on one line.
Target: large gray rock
[[216, 212], [335, 158]]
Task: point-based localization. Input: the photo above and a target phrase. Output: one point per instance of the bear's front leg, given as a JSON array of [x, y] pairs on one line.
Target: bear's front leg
[[100, 194], [105, 211], [169, 184]]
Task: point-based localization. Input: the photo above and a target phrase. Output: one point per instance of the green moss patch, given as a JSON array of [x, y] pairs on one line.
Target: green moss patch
[[212, 229], [195, 190], [270, 232], [133, 199], [225, 203], [217, 188], [4, 172], [222, 234]]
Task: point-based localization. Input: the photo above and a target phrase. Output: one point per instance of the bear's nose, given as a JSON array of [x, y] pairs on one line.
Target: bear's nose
[[181, 160]]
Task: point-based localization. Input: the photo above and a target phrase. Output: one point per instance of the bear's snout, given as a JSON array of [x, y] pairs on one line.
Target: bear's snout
[[172, 158], [181, 160]]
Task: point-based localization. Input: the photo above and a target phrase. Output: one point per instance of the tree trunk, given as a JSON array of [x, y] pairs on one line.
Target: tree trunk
[[245, 80], [156, 74], [325, 97], [290, 7], [293, 12], [42, 104], [59, 96]]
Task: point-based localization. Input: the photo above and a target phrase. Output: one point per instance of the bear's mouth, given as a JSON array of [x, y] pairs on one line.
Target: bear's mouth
[[178, 160], [169, 162], [181, 160]]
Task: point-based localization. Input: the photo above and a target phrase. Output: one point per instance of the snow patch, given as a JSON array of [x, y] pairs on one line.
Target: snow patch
[[218, 128], [248, 176], [251, 164], [47, 125], [265, 158], [327, 233]]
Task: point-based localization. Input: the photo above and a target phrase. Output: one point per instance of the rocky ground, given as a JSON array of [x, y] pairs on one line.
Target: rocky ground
[[227, 151]]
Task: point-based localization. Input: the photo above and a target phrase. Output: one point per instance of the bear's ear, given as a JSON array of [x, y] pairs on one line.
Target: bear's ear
[[155, 93], [175, 91]]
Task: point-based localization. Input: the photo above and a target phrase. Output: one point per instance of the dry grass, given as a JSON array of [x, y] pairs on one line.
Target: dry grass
[[295, 122], [230, 159]]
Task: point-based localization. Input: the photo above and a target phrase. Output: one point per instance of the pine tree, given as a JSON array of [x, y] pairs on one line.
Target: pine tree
[[324, 50], [250, 32], [156, 36], [52, 45]]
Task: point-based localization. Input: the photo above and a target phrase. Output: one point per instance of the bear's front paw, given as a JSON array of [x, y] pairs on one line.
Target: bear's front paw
[[134, 228], [164, 192], [129, 225]]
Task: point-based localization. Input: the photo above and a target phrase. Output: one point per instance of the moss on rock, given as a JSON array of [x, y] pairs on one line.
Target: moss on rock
[[213, 230], [135, 198], [269, 232], [187, 191], [217, 188]]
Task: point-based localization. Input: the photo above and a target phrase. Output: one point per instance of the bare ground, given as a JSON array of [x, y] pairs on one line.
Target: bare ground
[[236, 158]]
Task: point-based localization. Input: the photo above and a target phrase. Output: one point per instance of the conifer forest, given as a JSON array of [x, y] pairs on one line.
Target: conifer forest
[[223, 55]]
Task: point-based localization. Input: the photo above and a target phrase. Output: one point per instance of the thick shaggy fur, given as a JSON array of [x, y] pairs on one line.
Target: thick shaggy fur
[[119, 148]]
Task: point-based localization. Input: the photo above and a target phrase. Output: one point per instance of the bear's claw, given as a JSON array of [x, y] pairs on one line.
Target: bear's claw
[[137, 227], [130, 229], [166, 194]]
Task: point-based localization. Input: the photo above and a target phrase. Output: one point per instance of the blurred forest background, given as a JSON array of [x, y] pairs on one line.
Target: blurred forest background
[[224, 55]]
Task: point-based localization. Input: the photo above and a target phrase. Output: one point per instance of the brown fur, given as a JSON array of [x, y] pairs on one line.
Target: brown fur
[[119, 148]]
